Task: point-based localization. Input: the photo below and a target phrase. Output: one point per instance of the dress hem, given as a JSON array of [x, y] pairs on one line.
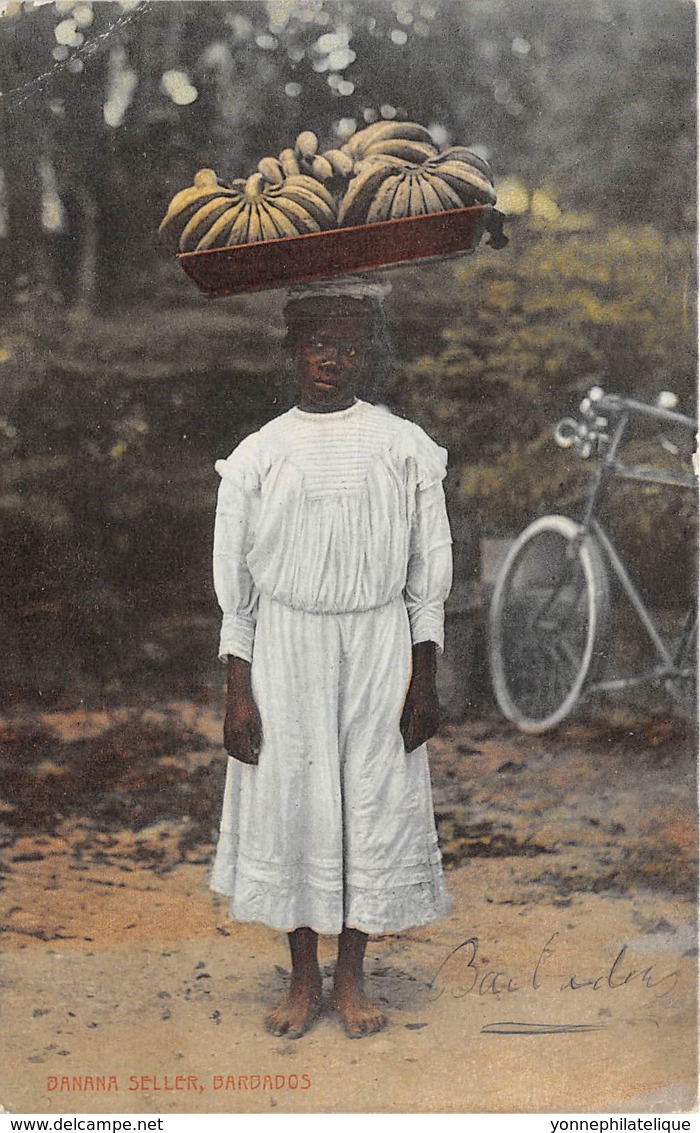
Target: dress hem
[[354, 924]]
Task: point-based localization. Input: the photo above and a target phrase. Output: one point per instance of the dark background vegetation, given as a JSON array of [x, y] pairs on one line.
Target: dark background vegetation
[[120, 384]]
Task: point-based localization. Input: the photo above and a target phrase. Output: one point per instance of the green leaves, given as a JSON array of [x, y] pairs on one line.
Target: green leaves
[[498, 348]]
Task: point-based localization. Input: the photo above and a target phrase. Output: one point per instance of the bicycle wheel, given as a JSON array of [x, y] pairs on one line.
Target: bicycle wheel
[[548, 622]]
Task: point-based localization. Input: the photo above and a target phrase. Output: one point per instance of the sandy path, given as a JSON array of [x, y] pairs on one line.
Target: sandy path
[[190, 1004], [130, 971]]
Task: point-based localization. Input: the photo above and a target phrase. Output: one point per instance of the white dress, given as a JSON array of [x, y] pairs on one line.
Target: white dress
[[332, 553]]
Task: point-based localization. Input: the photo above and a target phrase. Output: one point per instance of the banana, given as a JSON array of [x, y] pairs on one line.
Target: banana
[[416, 204], [205, 177], [268, 228], [446, 195], [383, 159], [289, 163], [359, 194], [238, 233], [255, 186], [310, 193], [341, 162], [402, 199], [254, 234], [380, 208], [186, 197], [461, 153], [323, 215], [409, 131], [464, 179], [297, 214], [271, 170], [201, 221], [219, 235], [306, 144], [417, 152], [283, 224], [431, 198], [322, 168], [314, 186]]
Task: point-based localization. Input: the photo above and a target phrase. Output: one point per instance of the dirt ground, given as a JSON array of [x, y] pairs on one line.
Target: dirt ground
[[563, 980]]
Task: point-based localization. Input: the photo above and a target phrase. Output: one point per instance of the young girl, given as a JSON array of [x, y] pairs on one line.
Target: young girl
[[332, 562]]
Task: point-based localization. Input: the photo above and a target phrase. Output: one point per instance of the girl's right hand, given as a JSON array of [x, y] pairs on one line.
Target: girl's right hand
[[242, 725]]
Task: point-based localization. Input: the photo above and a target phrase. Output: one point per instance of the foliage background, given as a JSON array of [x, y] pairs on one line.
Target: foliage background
[[120, 384]]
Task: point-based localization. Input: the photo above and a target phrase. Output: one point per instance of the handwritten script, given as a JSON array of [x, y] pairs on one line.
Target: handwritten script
[[464, 972]]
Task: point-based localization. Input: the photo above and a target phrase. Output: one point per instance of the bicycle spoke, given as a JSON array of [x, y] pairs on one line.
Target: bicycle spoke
[[573, 659], [559, 664], [543, 622]]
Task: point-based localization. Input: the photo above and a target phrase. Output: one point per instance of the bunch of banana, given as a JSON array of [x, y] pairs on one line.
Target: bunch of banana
[[261, 211], [387, 170], [388, 186], [386, 192], [210, 215], [304, 158], [193, 210]]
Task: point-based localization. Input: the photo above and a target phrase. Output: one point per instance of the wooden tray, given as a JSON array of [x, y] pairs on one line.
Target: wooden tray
[[319, 255]]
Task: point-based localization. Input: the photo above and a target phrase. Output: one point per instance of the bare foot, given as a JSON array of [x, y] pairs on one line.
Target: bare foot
[[359, 1015], [295, 1013]]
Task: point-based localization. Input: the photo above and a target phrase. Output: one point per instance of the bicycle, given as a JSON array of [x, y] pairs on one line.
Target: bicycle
[[549, 620]]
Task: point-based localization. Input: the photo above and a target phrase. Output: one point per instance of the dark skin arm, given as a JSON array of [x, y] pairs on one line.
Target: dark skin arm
[[419, 720], [242, 725], [421, 712]]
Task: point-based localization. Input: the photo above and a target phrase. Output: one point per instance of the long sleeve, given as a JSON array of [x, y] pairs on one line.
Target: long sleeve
[[429, 576], [234, 529]]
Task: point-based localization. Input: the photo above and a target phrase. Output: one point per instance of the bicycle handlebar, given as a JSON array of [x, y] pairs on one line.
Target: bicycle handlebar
[[598, 406], [614, 403]]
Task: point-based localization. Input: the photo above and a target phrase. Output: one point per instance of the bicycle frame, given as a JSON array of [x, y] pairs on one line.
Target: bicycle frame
[[610, 467]]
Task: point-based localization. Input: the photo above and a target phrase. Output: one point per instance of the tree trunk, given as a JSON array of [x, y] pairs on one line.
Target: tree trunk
[[23, 263]]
